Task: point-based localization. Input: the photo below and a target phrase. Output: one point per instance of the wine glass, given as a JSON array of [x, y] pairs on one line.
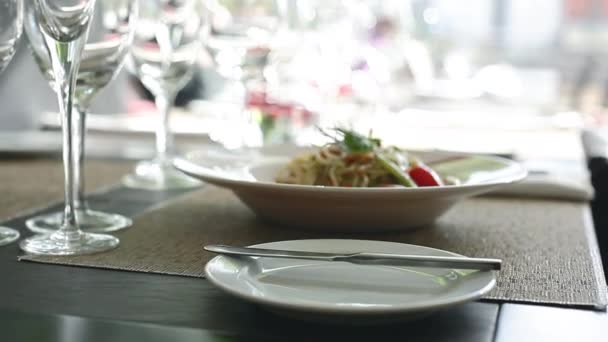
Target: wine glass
[[243, 35], [63, 26], [108, 43], [390, 62], [166, 46], [11, 22]]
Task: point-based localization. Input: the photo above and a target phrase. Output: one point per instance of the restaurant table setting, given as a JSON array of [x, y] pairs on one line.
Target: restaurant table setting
[[537, 268], [507, 221], [170, 239]]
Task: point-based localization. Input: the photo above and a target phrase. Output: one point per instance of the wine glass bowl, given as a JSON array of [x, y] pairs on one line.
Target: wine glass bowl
[[166, 47], [103, 54], [65, 20], [106, 48], [11, 23], [243, 36]]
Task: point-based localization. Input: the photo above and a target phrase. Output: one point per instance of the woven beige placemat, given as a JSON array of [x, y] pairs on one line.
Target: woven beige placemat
[[31, 183], [544, 244]]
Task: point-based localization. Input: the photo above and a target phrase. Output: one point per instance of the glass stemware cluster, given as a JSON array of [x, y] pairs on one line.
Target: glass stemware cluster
[[79, 46], [103, 54]]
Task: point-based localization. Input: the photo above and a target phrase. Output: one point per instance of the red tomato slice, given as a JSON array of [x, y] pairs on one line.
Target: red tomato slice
[[425, 176]]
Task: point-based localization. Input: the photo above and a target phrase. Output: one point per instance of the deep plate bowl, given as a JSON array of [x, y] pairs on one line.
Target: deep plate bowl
[[251, 176]]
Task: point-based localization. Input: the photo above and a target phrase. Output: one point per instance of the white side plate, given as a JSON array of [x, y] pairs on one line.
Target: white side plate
[[340, 291]]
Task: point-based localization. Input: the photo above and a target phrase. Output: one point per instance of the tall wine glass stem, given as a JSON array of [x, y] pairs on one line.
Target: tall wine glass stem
[[65, 61], [159, 174], [164, 138], [88, 220], [79, 148]]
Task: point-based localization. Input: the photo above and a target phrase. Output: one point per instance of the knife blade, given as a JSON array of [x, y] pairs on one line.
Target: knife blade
[[365, 258]]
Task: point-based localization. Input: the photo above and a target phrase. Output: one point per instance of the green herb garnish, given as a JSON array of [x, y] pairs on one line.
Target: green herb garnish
[[353, 142]]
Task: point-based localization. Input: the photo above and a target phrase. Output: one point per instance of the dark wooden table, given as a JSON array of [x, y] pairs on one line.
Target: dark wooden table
[[97, 304]]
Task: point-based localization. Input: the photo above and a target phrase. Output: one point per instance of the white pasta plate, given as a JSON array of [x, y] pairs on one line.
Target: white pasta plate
[[252, 178]]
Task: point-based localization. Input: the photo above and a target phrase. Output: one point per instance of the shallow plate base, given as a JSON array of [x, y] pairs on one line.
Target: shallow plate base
[[88, 220], [57, 244], [153, 175]]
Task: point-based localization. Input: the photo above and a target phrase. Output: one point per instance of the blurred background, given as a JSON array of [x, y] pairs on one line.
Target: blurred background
[[512, 77], [429, 62]]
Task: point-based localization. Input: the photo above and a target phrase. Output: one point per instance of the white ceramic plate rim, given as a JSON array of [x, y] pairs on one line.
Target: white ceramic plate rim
[[188, 165], [335, 310]]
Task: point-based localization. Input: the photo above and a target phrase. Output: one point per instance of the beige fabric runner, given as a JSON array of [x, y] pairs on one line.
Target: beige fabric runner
[[544, 244], [30, 183]]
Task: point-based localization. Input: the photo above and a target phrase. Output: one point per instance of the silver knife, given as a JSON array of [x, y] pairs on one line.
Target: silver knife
[[365, 258]]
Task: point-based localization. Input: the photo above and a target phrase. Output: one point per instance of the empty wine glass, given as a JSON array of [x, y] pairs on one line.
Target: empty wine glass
[[108, 43], [64, 26], [389, 61], [11, 22], [166, 46], [243, 34]]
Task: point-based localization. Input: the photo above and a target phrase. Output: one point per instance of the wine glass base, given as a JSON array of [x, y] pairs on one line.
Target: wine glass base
[[88, 221], [153, 175], [8, 235], [58, 243]]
